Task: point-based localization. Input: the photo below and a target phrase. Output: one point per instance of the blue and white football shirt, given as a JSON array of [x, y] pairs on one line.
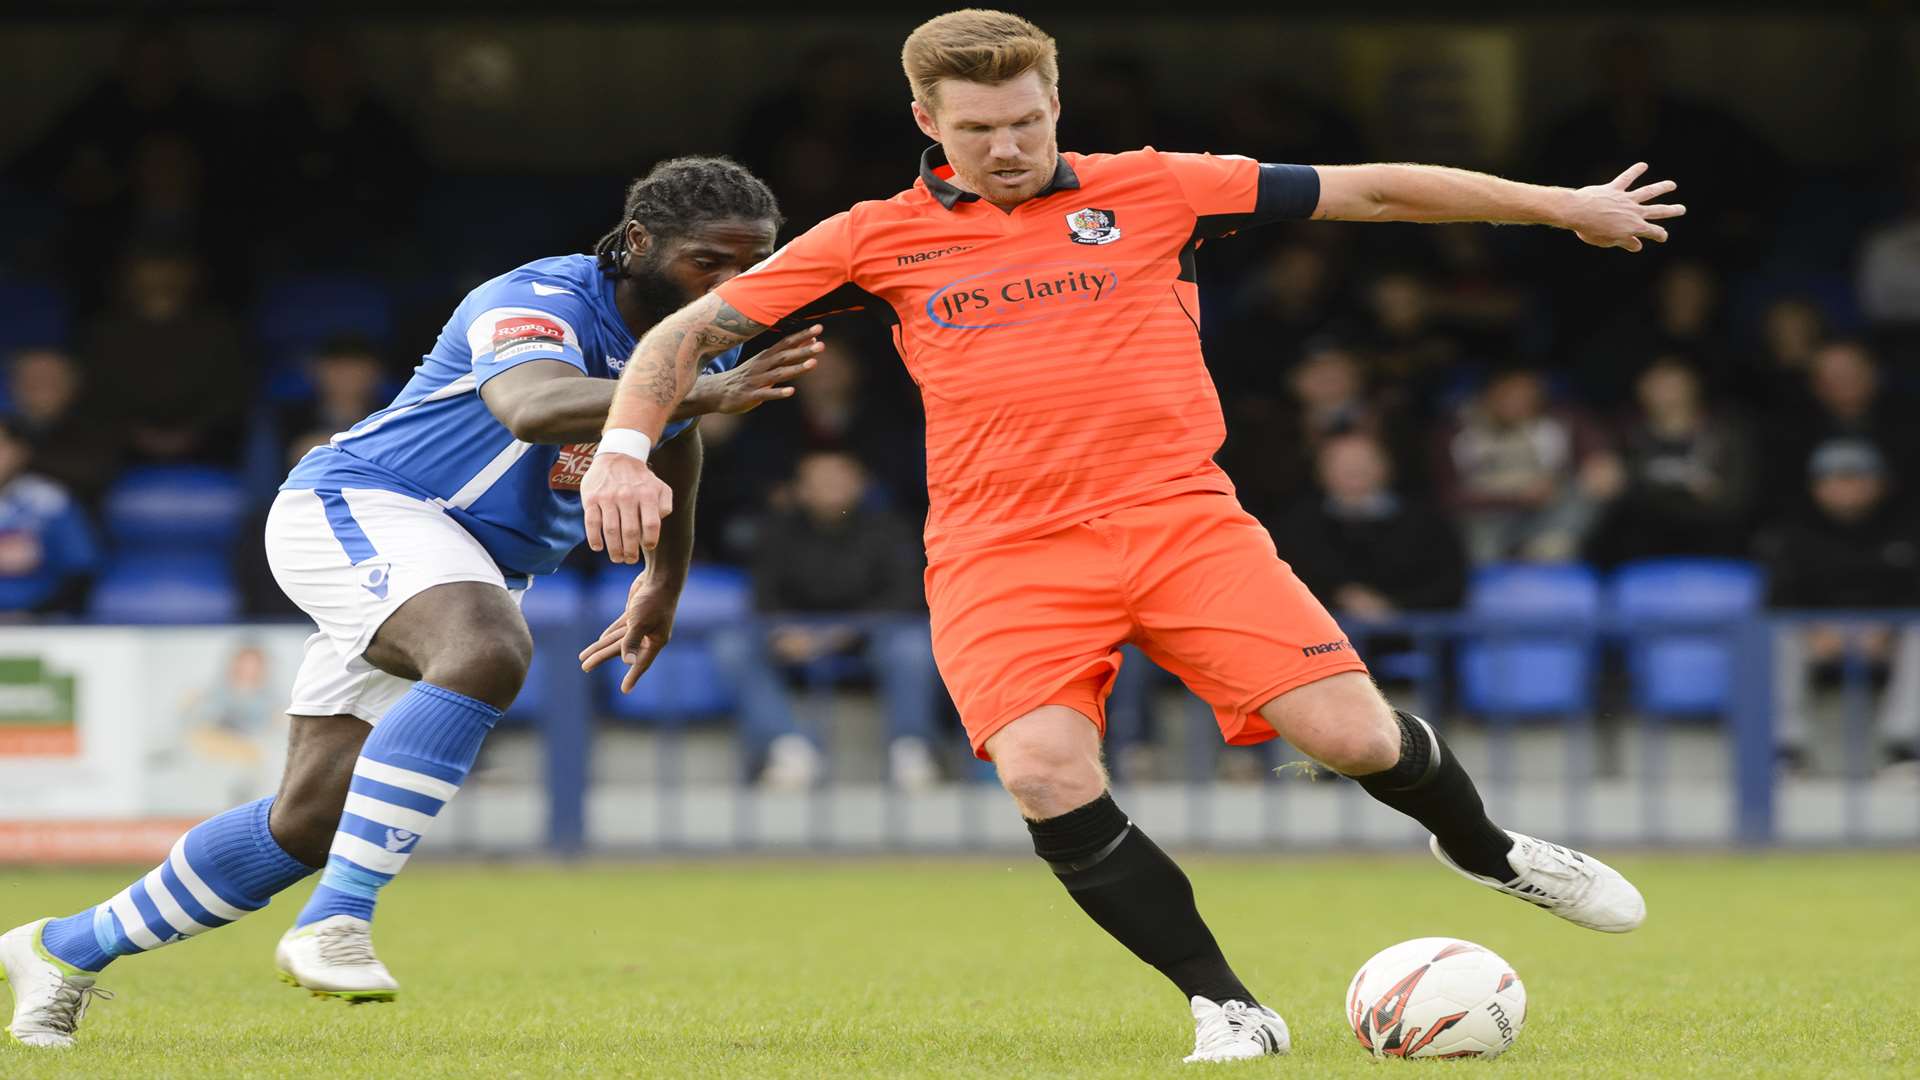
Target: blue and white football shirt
[[439, 442]]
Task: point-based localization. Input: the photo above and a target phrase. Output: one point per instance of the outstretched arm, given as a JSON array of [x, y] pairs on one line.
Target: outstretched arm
[[623, 501], [1614, 214]]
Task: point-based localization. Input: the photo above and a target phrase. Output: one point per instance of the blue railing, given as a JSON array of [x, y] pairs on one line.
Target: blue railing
[[1447, 666]]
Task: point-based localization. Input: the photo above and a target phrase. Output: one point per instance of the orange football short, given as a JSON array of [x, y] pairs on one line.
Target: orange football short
[[1193, 580]]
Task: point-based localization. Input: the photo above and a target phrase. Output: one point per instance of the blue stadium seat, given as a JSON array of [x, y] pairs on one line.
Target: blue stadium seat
[[682, 684], [298, 315], [1683, 672], [165, 589], [1542, 672], [714, 596], [175, 508], [32, 313], [684, 681], [552, 606]]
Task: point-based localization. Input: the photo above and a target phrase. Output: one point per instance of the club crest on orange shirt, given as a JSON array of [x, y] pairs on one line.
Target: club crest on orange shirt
[[1090, 226]]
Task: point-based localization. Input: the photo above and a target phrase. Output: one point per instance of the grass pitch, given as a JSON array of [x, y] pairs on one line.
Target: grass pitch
[[1771, 966]]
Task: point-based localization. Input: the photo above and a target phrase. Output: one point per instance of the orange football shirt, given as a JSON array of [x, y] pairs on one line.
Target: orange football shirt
[[1057, 346]]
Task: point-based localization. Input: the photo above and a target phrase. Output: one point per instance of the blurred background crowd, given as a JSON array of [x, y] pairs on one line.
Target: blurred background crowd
[[196, 280]]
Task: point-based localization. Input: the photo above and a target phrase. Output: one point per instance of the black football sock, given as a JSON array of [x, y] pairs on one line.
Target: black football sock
[[1428, 785], [1137, 894]]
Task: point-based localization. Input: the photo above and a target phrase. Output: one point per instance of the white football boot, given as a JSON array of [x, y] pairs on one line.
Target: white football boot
[[1575, 886], [1236, 1031], [334, 958], [49, 998]]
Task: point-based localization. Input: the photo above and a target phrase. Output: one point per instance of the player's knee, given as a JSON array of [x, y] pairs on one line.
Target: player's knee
[[1049, 777], [1043, 793], [1341, 721], [488, 666], [1369, 745]]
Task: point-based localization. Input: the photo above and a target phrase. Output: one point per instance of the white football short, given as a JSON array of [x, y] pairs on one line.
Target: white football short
[[349, 559]]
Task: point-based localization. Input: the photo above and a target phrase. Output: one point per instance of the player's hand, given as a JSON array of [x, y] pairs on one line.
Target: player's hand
[[1620, 215], [764, 378], [624, 504], [607, 645], [640, 632]]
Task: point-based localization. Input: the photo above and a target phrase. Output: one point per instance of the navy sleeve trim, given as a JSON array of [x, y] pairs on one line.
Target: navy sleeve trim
[[1285, 193]]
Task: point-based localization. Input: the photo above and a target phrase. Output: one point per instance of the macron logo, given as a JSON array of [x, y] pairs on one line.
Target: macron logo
[[548, 290], [376, 582], [400, 839]]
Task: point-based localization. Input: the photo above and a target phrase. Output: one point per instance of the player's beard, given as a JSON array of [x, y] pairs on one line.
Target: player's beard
[[655, 296], [1040, 167]]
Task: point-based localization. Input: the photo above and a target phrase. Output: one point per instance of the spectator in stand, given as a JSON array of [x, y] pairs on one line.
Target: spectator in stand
[[169, 205], [1791, 331], [1270, 456], [1681, 316], [87, 162], [833, 556], [47, 549], [1853, 549], [166, 368], [1285, 301], [346, 159], [1367, 550], [1524, 479], [1409, 352], [1848, 400], [1472, 292], [1690, 473], [844, 407], [348, 385], [68, 447], [1889, 280]]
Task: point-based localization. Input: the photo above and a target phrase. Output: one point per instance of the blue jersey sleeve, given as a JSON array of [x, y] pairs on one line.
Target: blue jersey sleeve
[[522, 321]]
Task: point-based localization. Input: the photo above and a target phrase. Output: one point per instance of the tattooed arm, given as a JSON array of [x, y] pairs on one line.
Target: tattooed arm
[[668, 360], [621, 498]]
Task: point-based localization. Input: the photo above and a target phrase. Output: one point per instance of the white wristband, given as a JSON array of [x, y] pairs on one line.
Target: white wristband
[[629, 441]]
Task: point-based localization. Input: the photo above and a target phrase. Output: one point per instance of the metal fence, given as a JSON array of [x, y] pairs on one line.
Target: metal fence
[[1604, 729]]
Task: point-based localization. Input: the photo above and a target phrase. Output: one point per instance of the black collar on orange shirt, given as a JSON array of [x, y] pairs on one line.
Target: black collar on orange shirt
[[934, 171]]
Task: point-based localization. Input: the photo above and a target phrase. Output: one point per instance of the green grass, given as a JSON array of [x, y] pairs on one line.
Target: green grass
[[1787, 966]]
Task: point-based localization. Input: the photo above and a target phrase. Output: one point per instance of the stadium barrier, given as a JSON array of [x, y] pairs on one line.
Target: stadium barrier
[[1607, 729], [1667, 679]]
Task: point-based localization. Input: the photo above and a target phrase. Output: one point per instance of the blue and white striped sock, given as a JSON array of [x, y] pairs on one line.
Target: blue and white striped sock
[[415, 760], [223, 868]]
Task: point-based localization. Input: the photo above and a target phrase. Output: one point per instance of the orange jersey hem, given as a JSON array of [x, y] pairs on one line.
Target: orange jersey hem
[[1085, 693]]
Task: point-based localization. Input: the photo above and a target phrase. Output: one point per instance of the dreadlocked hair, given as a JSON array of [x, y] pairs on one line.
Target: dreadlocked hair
[[682, 193]]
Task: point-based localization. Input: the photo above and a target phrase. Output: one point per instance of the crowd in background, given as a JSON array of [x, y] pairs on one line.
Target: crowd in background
[[1404, 403]]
